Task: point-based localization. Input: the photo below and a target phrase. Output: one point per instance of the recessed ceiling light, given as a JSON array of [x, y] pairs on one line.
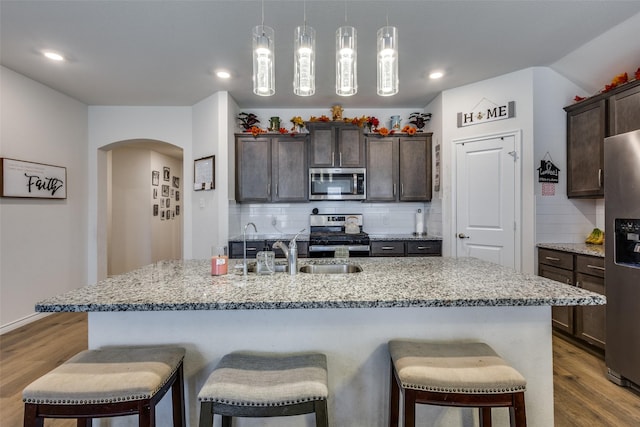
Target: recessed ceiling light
[[436, 75], [223, 74], [54, 56]]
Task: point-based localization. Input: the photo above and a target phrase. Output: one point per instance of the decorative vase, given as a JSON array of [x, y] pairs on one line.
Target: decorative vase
[[274, 124], [395, 123]]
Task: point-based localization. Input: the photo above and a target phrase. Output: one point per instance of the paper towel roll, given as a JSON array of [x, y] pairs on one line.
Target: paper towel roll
[[419, 222]]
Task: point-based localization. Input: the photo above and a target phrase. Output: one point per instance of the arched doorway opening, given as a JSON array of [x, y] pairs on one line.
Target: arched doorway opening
[[144, 206]]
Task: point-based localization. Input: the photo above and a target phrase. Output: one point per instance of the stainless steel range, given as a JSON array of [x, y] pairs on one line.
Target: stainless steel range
[[332, 231]]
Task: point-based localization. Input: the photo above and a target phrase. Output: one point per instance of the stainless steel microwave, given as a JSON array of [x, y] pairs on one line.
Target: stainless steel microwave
[[337, 184]]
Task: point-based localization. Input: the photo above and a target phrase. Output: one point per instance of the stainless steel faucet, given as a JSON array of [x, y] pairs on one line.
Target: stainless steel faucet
[[244, 239], [290, 253]]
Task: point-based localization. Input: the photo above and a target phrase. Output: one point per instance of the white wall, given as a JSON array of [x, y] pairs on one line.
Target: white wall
[[43, 243], [558, 219], [518, 87], [107, 127]]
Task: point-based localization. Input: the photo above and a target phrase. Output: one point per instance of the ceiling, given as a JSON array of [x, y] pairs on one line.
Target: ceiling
[[139, 52]]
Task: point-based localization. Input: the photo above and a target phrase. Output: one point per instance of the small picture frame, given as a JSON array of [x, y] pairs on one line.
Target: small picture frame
[[165, 190], [166, 173], [155, 210], [175, 181], [177, 209], [155, 193], [155, 177], [204, 172], [177, 196]]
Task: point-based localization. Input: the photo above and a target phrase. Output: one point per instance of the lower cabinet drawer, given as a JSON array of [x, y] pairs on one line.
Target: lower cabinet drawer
[[387, 248], [424, 248], [555, 258], [236, 249]]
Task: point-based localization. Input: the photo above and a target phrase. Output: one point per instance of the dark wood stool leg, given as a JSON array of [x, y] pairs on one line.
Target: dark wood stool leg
[[485, 417], [84, 422], [517, 412], [409, 418], [206, 414], [146, 414], [177, 399], [31, 418], [394, 399], [227, 421], [322, 417]]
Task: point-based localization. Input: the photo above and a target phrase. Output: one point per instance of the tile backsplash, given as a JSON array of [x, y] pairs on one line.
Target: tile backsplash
[[378, 218], [562, 220]]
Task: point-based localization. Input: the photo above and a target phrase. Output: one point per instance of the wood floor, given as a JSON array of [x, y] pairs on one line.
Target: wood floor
[[583, 395]]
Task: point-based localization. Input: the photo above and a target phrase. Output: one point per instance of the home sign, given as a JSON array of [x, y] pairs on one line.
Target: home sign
[[32, 180], [486, 111]]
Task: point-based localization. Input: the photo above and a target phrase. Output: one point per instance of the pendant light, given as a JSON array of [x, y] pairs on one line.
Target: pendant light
[[387, 60], [263, 59], [304, 75], [346, 59]]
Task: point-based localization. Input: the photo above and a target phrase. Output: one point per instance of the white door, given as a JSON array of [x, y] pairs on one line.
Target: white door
[[486, 190]]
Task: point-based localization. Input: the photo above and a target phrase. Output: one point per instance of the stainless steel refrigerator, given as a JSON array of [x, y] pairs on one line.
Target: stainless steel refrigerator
[[622, 257]]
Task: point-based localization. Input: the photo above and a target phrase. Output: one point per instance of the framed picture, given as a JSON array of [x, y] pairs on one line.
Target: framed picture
[[162, 202], [177, 196], [166, 173], [173, 192], [32, 180], [175, 181], [155, 210], [155, 177], [177, 209], [162, 214], [204, 172], [165, 190], [155, 193], [168, 204]]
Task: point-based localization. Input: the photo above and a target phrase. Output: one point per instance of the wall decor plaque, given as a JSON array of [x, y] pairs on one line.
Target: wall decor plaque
[[20, 178]]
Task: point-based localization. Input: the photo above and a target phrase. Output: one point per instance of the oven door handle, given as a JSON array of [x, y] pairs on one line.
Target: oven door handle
[[316, 248]]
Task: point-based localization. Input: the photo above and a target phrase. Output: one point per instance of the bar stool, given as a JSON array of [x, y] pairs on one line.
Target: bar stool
[[250, 384], [109, 382], [462, 374]]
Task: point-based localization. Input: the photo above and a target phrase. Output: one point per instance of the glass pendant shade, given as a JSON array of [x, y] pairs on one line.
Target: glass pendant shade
[[304, 75], [387, 61], [346, 61], [263, 60]]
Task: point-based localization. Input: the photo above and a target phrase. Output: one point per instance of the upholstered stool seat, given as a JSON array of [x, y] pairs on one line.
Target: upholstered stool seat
[[107, 382], [467, 374], [249, 384]]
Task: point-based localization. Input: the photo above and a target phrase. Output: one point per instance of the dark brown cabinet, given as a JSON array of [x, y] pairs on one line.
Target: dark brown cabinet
[[271, 169], [624, 109], [586, 323], [236, 249], [588, 123], [408, 248], [586, 130], [335, 145], [399, 168]]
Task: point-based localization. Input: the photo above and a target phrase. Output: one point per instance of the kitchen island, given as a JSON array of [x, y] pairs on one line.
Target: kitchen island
[[349, 317]]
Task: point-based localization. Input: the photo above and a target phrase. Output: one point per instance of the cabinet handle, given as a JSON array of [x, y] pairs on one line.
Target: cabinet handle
[[333, 158], [568, 281], [595, 267], [599, 178], [402, 188], [276, 190], [394, 189], [578, 285], [421, 248], [550, 258], [252, 249], [340, 154], [388, 248], [269, 189]]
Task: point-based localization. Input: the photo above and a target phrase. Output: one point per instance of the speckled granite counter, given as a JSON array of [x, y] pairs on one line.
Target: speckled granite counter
[[576, 248], [384, 282]]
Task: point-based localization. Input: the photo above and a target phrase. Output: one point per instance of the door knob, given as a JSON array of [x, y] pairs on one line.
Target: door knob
[[462, 236]]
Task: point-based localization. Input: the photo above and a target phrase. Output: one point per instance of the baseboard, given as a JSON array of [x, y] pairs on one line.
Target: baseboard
[[22, 322]]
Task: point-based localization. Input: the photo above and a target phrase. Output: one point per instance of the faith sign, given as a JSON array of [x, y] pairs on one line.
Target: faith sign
[[32, 180]]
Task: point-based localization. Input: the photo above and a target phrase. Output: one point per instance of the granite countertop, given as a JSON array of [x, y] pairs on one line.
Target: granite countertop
[[384, 282], [576, 248]]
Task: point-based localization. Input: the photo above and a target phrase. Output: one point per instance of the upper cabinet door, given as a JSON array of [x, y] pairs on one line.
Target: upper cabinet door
[[290, 177], [253, 169], [322, 146], [415, 168], [586, 129], [624, 110], [350, 147], [382, 169]]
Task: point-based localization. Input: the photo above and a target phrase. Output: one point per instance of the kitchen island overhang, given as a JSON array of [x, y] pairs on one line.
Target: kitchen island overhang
[[348, 317]]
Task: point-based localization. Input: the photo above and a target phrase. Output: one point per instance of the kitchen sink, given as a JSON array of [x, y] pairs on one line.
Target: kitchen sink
[[280, 267], [330, 269]]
